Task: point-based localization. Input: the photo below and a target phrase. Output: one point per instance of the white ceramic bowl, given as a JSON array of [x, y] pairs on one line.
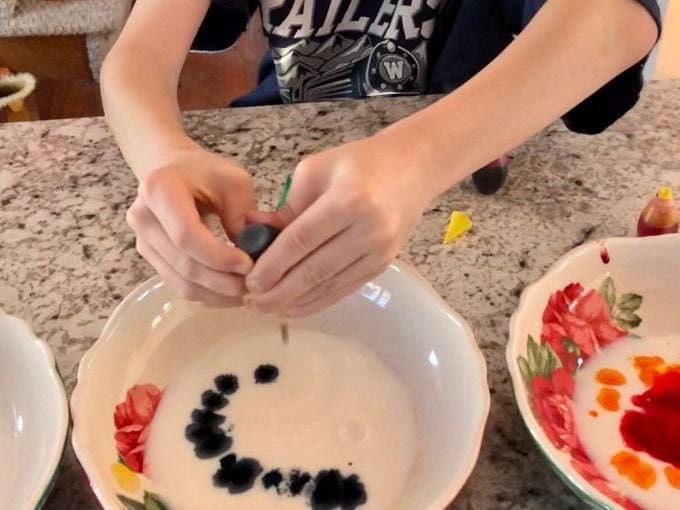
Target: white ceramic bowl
[[33, 417], [398, 315], [631, 279]]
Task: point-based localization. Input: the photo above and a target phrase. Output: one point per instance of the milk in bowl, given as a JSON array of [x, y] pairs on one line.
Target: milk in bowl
[[318, 421]]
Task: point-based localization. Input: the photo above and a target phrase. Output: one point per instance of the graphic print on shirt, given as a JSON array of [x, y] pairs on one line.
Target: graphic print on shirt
[[340, 49]]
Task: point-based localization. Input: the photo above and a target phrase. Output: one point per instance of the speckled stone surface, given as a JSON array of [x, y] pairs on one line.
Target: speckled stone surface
[[67, 257]]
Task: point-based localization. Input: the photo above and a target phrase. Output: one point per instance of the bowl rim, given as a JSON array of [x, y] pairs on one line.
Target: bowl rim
[[456, 485], [446, 496], [43, 489], [94, 477], [566, 473]]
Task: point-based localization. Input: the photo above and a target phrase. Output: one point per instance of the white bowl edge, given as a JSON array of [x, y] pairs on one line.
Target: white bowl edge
[[87, 358], [458, 484], [48, 479]]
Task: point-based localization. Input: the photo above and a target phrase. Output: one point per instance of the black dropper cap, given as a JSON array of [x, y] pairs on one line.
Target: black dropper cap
[[256, 238]]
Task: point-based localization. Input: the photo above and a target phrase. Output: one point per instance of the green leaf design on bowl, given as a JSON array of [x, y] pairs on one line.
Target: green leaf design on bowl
[[541, 360], [151, 502], [630, 302], [130, 504], [608, 292]]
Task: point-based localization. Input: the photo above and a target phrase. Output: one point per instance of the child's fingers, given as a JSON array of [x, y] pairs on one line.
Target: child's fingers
[[267, 218], [321, 268], [234, 199], [322, 221], [225, 284], [326, 300], [360, 271], [309, 184], [184, 288], [173, 203], [305, 189]]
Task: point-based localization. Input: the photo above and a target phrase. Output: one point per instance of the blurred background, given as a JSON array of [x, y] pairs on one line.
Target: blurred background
[[63, 42]]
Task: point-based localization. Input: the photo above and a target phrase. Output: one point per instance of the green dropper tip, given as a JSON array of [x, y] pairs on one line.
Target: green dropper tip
[[284, 192]]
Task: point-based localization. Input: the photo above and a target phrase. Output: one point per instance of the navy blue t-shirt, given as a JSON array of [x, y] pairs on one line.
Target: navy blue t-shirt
[[343, 49]]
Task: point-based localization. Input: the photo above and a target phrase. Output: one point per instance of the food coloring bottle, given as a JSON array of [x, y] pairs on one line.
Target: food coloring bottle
[[659, 216]]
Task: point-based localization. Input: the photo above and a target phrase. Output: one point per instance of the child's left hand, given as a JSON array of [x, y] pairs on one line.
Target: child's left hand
[[349, 211]]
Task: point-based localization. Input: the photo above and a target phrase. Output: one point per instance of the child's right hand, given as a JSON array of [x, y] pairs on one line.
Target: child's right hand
[[171, 236]]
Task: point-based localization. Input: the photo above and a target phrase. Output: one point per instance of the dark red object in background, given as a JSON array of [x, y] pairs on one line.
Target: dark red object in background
[[489, 179]]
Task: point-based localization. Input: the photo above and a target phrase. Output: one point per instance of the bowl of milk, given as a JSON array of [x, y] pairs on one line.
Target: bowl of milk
[[34, 416], [594, 355], [377, 403]]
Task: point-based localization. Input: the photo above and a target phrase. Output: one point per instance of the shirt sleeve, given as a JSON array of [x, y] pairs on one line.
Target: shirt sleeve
[[607, 105], [223, 24]]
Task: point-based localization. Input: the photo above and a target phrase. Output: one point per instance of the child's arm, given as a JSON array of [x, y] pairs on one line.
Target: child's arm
[[139, 81], [177, 178], [569, 50], [352, 208]]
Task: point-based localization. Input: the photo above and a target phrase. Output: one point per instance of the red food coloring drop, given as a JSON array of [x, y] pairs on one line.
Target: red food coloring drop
[[604, 255], [654, 428]]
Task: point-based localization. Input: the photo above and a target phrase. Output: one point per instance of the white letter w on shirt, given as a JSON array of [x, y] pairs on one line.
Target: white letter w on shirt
[[394, 69]]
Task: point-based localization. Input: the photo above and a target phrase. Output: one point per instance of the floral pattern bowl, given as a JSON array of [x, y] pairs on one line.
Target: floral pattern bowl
[[34, 417], [598, 295], [153, 335]]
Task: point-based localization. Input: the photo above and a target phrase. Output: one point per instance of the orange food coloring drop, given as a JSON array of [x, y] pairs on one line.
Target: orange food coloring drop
[[610, 377], [593, 413], [643, 475], [624, 461], [648, 361], [673, 476], [638, 472], [648, 368], [608, 398]]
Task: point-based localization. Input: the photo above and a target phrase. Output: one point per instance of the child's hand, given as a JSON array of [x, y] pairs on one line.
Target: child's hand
[[166, 217], [349, 211]]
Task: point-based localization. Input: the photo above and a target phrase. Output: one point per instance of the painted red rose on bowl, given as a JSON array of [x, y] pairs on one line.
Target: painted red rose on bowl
[[132, 419], [576, 323]]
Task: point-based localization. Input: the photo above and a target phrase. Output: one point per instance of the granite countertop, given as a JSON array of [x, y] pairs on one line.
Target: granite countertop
[[67, 257]]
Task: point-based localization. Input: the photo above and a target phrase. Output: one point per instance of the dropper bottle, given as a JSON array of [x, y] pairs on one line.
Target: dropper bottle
[[659, 216], [254, 239]]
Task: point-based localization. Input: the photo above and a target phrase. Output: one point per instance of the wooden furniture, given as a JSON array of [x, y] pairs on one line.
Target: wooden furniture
[[67, 89]]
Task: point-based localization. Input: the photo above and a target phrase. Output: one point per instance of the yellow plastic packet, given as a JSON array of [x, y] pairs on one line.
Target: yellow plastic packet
[[458, 225]]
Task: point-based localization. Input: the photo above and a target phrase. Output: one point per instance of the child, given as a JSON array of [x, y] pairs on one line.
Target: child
[[510, 67]]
